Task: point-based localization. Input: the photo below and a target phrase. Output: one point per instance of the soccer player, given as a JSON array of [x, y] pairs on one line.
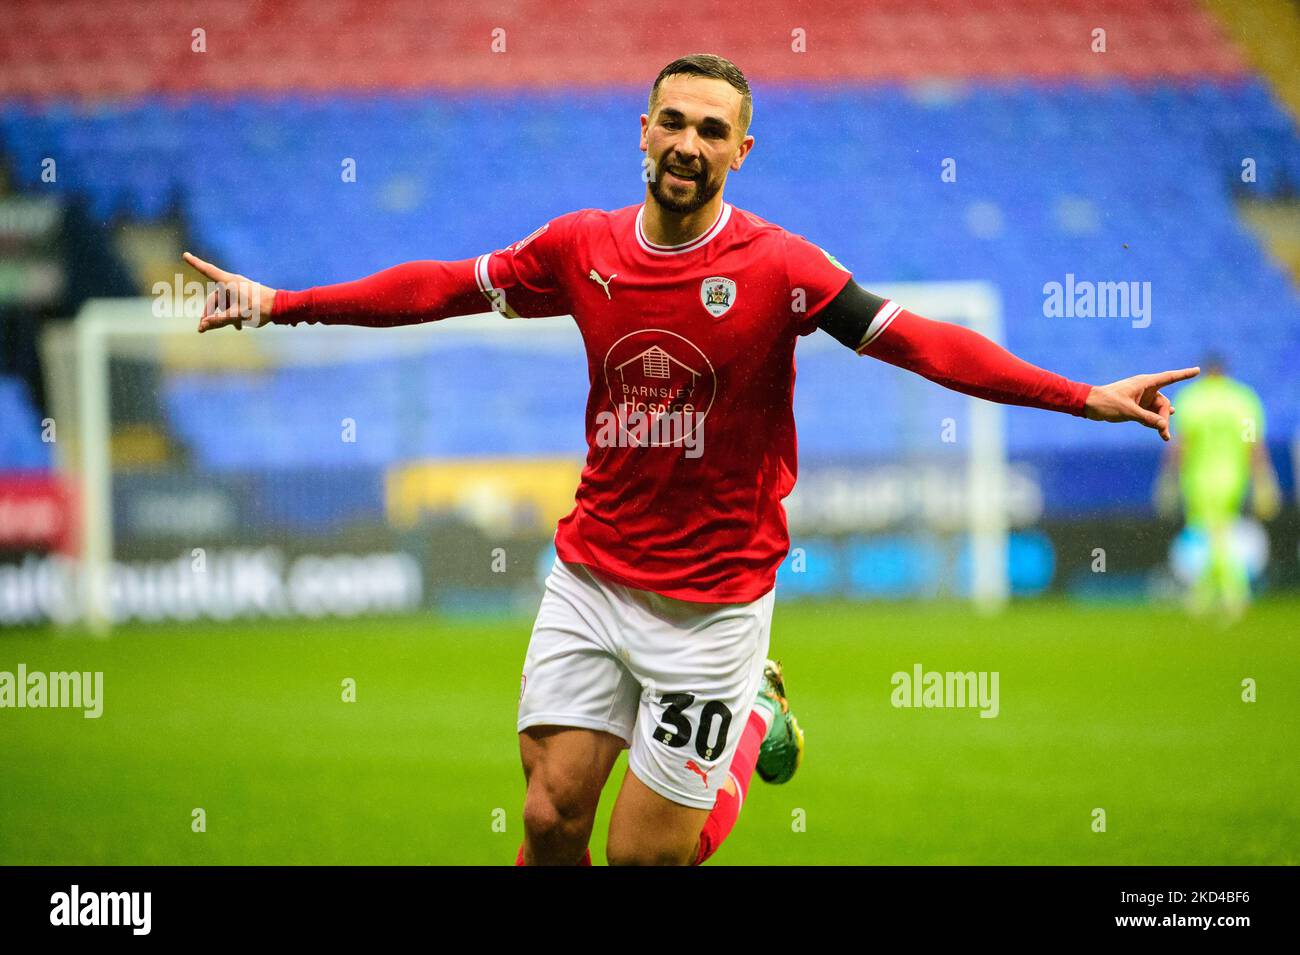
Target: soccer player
[[652, 633], [1220, 449]]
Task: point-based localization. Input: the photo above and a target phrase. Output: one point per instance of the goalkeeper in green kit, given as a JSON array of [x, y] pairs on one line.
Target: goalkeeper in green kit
[[1219, 450]]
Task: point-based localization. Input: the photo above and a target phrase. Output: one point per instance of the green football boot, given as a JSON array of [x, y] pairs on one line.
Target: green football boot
[[782, 749]]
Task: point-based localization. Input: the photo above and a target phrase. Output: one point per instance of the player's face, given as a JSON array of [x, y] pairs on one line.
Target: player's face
[[693, 139]]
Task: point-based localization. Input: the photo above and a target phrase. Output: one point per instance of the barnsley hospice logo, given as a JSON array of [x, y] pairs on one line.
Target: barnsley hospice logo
[[55, 690], [661, 387]]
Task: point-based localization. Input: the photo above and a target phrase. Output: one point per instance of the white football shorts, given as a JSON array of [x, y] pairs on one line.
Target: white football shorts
[[674, 678]]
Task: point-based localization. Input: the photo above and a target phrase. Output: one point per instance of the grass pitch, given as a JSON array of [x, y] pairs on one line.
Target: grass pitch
[[1136, 711]]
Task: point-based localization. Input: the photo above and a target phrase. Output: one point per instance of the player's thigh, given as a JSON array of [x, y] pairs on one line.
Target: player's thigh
[[699, 677], [648, 829], [577, 702], [699, 670]]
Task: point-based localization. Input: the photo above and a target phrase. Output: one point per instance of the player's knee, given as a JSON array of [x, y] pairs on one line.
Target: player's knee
[[542, 818], [554, 813]]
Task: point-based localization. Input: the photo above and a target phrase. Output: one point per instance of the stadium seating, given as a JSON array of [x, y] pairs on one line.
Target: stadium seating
[[97, 48], [1067, 179]]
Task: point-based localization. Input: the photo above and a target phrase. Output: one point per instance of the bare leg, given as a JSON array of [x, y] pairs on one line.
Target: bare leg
[[647, 829], [565, 769]]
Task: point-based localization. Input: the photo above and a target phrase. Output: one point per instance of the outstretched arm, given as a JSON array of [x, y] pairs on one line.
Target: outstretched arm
[[524, 279], [966, 361], [423, 291]]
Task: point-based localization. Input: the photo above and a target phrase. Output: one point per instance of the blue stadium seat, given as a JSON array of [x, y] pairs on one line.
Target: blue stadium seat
[[21, 447]]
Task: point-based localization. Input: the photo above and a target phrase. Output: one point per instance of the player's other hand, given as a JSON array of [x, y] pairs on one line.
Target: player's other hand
[[233, 299], [1137, 399]]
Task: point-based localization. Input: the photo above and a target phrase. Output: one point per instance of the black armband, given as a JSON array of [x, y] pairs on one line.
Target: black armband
[[848, 316]]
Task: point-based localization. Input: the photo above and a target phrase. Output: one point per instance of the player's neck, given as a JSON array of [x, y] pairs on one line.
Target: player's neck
[[673, 228]]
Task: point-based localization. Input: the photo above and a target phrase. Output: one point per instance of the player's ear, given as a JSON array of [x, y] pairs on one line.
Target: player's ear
[[746, 145], [645, 126]]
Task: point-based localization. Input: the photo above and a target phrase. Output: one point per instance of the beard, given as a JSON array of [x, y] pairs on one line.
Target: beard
[[704, 190]]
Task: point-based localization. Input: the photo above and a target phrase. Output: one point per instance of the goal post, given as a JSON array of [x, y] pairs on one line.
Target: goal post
[[978, 306]]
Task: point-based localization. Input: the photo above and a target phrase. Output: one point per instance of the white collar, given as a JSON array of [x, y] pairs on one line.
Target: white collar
[[654, 248]]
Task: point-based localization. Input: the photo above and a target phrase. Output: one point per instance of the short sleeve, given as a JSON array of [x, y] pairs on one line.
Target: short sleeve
[[525, 280], [815, 277]]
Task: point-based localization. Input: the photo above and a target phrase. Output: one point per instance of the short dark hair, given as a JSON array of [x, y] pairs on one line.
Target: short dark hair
[[715, 67]]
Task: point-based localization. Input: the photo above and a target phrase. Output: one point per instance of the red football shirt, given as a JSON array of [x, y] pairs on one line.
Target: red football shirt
[[690, 417]]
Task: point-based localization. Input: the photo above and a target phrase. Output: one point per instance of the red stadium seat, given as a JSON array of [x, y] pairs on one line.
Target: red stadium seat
[[119, 47]]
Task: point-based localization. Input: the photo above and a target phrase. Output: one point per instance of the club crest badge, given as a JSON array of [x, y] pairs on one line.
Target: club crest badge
[[718, 295]]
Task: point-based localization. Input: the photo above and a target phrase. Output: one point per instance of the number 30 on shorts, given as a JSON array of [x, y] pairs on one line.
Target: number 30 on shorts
[[675, 728]]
